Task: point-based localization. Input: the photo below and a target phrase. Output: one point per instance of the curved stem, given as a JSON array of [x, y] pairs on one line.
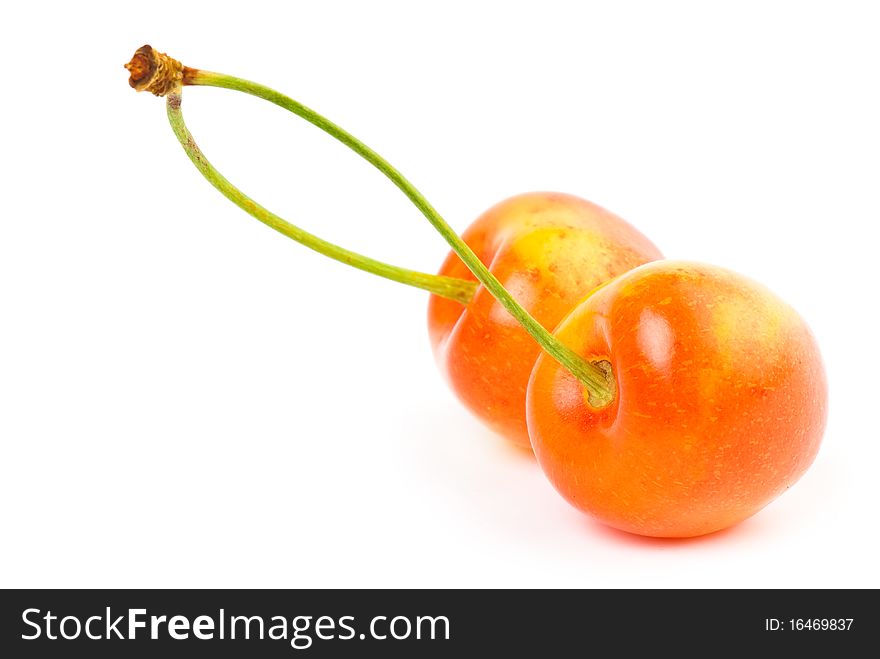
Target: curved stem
[[460, 290], [595, 378]]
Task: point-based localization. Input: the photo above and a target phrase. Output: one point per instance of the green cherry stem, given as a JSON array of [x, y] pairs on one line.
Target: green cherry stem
[[459, 290], [162, 75]]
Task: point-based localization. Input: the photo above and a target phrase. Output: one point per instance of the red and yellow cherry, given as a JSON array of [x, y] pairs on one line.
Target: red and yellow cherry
[[719, 401], [548, 250]]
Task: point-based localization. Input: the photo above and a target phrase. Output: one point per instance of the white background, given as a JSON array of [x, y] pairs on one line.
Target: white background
[[189, 399]]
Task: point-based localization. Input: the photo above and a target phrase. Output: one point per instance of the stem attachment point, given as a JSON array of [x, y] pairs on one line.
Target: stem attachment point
[[601, 396], [155, 72]]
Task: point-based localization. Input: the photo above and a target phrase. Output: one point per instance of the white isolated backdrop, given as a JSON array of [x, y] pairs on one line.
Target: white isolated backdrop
[[189, 399]]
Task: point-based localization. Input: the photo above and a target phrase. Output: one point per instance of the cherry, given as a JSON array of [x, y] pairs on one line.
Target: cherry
[[719, 401], [547, 249]]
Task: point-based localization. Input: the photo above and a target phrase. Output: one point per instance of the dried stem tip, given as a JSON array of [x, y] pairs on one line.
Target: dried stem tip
[[154, 72]]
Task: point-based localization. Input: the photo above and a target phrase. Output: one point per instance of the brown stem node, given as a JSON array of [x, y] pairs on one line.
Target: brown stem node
[[155, 72]]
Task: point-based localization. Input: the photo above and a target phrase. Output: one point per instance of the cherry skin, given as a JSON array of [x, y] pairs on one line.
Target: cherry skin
[[548, 250], [720, 401]]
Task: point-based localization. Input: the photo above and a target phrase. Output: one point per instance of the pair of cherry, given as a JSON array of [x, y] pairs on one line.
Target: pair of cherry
[[670, 399]]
